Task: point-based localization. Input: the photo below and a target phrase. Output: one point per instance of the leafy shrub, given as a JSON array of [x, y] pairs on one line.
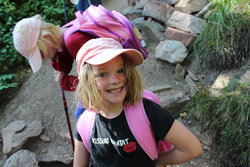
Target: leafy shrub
[[227, 117], [225, 43], [4, 81]]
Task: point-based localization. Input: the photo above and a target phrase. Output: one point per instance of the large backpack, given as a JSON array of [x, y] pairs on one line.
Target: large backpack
[[138, 123], [103, 23]]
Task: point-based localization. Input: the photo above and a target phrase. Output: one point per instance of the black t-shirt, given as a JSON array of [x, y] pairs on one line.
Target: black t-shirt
[[112, 143]]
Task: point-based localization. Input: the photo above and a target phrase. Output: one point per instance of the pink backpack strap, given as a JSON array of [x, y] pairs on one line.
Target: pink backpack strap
[[150, 96], [85, 125], [141, 129], [73, 26], [68, 24], [140, 126], [162, 146], [79, 18], [71, 29]]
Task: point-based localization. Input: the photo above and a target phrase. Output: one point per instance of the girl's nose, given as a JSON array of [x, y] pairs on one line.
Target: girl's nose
[[114, 78]]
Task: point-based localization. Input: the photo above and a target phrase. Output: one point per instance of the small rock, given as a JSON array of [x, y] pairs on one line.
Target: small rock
[[45, 138]]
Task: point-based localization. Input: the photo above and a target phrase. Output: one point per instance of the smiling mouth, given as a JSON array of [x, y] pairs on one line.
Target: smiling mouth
[[117, 90]]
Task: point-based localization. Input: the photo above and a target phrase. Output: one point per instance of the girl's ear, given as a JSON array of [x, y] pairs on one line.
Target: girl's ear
[[51, 50], [47, 37]]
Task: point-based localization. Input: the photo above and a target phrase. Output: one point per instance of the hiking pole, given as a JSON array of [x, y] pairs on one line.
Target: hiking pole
[[66, 110], [62, 91], [67, 117], [90, 3], [64, 11]]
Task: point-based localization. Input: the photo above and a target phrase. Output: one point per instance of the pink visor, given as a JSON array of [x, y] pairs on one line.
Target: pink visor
[[101, 50]]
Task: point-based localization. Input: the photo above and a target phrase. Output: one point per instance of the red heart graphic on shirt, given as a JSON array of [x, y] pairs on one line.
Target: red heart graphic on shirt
[[130, 147]]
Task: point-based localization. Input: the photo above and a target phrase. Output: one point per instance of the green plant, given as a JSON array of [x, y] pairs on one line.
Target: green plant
[[227, 117], [5, 81], [224, 43]]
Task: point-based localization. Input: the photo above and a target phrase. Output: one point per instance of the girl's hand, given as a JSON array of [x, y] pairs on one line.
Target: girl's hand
[[58, 75], [186, 146]]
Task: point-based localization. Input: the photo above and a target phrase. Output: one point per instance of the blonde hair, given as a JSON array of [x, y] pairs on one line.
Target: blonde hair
[[50, 39], [91, 98]]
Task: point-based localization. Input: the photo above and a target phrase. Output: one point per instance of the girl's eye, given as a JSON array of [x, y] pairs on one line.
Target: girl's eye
[[121, 71], [102, 75]]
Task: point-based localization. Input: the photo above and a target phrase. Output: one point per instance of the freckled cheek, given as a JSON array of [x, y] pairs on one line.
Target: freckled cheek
[[100, 84], [123, 78]]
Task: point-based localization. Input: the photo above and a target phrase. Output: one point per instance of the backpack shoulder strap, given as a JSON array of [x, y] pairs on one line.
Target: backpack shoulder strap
[[140, 127], [85, 125], [73, 26], [79, 17], [150, 96]]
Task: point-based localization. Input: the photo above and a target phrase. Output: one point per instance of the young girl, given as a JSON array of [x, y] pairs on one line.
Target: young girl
[[108, 81], [36, 40]]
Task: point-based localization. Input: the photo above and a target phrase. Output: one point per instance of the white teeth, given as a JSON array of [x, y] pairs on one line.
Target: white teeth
[[115, 90]]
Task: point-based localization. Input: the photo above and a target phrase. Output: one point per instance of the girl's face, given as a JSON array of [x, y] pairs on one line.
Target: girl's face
[[111, 81]]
